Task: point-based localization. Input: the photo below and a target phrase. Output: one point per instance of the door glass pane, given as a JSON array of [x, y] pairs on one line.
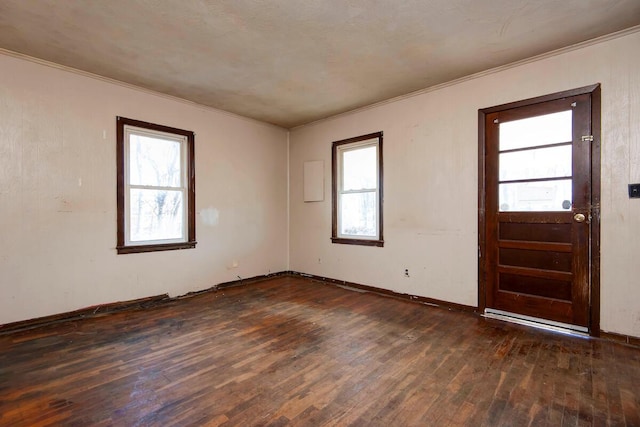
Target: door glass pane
[[359, 168], [537, 196], [548, 162], [155, 215], [358, 214], [536, 131], [154, 161]]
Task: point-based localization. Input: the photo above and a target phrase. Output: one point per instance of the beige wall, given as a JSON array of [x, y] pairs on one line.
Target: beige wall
[[57, 188], [430, 181], [58, 195]]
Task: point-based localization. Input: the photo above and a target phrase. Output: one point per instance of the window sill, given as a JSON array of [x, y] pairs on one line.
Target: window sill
[[361, 242], [155, 248]]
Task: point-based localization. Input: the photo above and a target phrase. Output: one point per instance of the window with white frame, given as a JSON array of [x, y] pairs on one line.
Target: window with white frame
[[357, 190], [156, 187]]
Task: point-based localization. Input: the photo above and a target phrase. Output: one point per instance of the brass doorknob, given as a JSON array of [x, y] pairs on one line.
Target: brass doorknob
[[579, 217]]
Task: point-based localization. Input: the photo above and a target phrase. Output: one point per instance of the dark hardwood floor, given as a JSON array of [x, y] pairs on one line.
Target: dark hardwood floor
[[291, 351]]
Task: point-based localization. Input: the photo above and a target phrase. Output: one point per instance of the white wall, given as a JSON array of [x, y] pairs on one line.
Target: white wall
[[431, 174], [58, 195]]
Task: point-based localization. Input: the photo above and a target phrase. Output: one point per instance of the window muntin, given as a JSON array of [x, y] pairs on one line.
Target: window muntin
[[547, 162], [535, 163], [156, 187], [357, 190]]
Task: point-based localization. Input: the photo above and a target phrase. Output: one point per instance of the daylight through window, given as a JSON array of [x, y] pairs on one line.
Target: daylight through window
[[156, 187], [357, 190]]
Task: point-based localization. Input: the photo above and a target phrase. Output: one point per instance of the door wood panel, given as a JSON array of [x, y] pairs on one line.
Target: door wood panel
[[536, 259]]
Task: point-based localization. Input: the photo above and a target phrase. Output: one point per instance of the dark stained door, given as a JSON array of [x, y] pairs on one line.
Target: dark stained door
[[537, 201]]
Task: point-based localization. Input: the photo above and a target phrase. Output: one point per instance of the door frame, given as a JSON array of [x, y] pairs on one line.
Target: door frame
[[594, 261]]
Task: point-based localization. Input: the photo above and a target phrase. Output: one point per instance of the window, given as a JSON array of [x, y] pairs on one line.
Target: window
[[156, 187], [357, 190]]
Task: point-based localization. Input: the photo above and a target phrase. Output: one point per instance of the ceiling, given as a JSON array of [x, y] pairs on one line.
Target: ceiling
[[292, 62]]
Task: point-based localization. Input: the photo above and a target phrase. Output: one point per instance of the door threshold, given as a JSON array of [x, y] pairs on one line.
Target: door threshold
[[548, 325]]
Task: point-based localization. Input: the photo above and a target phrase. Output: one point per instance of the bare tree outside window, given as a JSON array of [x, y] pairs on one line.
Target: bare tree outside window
[[155, 188], [156, 214], [357, 190]]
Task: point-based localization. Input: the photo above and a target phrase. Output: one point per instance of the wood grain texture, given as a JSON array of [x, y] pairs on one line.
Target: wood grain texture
[[531, 284], [292, 351]]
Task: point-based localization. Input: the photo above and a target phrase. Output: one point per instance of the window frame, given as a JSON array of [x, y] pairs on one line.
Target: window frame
[[339, 147], [124, 246]]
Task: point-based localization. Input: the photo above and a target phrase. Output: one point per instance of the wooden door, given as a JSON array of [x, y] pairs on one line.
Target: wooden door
[[537, 216]]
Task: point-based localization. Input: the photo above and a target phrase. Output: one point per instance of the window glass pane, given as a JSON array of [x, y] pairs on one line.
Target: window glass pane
[[358, 214], [155, 215], [359, 169], [535, 131], [537, 196], [537, 163], [154, 161]]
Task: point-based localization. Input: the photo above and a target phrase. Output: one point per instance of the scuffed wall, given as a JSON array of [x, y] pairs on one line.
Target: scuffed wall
[[58, 189], [431, 175], [58, 195]]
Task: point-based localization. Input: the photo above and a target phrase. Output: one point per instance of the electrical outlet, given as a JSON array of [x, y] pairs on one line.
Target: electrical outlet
[[634, 191], [406, 272]]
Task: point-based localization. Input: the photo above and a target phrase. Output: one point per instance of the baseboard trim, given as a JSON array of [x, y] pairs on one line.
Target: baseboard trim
[[388, 293], [116, 307], [621, 338], [153, 301], [240, 282], [84, 313]]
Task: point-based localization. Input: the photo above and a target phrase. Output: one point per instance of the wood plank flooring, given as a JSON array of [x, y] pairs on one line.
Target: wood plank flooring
[[294, 352]]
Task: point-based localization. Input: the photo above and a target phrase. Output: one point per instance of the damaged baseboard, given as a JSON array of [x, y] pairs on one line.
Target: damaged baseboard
[[621, 338], [388, 293], [85, 313], [154, 301], [116, 307]]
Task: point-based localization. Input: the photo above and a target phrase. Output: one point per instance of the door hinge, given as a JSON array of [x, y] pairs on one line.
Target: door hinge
[[586, 138]]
